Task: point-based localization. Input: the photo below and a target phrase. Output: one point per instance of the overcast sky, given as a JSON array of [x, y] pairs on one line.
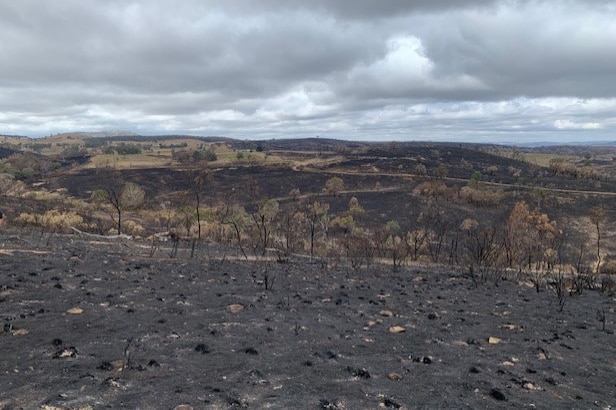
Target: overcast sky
[[472, 70]]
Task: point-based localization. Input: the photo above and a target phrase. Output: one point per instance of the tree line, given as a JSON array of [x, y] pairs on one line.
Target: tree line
[[526, 240]]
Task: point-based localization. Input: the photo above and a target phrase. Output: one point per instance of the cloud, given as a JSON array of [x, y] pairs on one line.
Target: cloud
[[570, 125], [358, 69], [536, 49]]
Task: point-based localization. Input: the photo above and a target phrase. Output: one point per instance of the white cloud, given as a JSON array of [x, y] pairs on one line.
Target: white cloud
[[405, 71], [570, 125], [438, 69]]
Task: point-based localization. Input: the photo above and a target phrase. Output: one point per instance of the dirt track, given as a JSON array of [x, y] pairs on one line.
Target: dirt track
[[103, 325]]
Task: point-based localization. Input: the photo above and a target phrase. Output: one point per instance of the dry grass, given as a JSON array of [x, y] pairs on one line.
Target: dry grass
[[319, 162], [160, 158], [129, 161], [543, 160]]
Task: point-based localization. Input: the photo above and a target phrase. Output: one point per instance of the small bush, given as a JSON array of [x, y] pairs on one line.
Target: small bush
[[205, 155], [54, 219], [482, 197], [128, 149], [133, 228], [42, 195]]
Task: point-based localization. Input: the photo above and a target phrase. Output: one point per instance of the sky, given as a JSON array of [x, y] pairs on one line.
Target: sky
[[510, 71]]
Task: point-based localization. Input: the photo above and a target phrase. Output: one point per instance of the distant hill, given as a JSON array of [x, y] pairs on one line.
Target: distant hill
[[302, 144], [541, 144], [105, 134], [12, 136]]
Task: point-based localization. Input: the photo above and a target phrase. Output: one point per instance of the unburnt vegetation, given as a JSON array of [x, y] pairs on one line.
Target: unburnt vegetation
[[357, 262]]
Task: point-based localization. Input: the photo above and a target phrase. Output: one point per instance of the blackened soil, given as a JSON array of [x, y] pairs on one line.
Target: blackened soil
[[104, 325]]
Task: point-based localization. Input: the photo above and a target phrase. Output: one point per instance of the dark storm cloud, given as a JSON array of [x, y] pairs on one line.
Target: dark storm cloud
[[356, 9], [356, 69]]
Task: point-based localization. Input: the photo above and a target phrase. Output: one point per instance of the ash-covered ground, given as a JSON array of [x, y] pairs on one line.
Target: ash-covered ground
[[92, 323]]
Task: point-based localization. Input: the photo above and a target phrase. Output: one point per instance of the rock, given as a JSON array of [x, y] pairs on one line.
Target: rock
[[20, 332], [394, 376], [202, 348], [459, 343], [235, 307], [494, 340], [153, 363], [391, 404], [106, 366], [498, 395], [65, 353], [183, 407], [331, 355], [358, 373], [511, 362], [551, 381], [530, 386], [119, 364], [114, 382], [386, 313], [75, 311], [370, 324], [396, 329], [329, 405], [422, 359], [251, 351]]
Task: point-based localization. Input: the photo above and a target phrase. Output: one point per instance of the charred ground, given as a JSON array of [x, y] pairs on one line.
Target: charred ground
[[103, 324]]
